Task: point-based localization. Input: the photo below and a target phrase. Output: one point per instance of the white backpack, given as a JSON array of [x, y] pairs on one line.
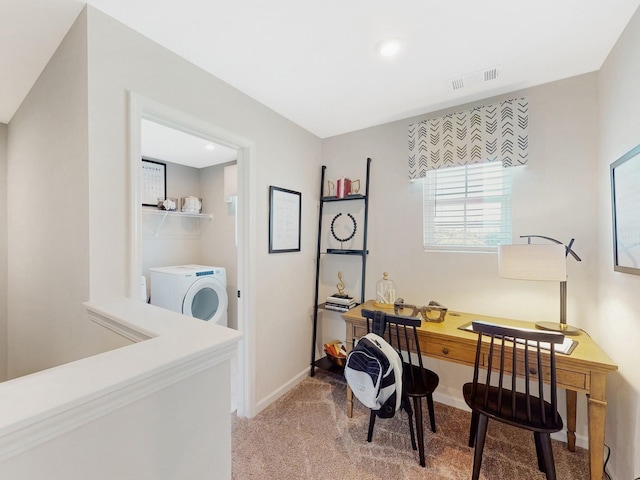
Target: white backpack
[[374, 372]]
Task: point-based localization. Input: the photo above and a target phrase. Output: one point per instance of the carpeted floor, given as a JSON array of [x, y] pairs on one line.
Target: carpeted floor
[[307, 435]]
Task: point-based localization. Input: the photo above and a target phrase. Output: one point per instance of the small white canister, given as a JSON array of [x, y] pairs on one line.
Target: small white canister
[[191, 204]]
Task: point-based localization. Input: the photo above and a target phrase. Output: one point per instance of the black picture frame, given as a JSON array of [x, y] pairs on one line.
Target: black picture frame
[[285, 215], [625, 198], [154, 182]]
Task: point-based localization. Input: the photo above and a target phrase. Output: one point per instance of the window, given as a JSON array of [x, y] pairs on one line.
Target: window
[[467, 208]]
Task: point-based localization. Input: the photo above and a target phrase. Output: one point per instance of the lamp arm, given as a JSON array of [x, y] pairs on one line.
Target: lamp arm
[[567, 247]]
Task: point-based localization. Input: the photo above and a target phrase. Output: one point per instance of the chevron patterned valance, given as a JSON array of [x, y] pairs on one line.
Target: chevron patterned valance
[[492, 133]]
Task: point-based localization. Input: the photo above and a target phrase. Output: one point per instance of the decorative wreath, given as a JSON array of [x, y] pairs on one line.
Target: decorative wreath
[[354, 224]]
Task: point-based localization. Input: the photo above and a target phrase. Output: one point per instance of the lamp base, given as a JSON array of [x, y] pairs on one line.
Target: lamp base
[[558, 327]]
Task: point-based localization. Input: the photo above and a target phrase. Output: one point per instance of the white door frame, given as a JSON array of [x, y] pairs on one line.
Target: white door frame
[[144, 108]]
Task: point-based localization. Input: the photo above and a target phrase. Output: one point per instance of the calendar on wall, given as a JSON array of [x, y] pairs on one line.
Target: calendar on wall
[[154, 182]]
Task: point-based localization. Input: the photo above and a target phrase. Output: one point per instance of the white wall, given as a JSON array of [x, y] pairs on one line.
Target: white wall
[[158, 437], [218, 246], [156, 409], [121, 60], [553, 196], [3, 252], [48, 242], [616, 325], [178, 239]]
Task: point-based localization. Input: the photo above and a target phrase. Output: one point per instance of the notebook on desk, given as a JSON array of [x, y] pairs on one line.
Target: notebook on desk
[[565, 347]]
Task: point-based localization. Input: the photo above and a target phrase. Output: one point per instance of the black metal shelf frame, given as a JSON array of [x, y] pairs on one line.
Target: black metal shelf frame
[[324, 362]]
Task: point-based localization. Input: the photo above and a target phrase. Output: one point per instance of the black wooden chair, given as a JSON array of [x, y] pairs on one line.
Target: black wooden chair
[[417, 382], [497, 396]]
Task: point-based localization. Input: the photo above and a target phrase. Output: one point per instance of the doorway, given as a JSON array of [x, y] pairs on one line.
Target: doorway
[[149, 116]]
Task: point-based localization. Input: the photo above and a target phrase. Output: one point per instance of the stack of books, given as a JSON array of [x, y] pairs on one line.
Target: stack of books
[[340, 302]]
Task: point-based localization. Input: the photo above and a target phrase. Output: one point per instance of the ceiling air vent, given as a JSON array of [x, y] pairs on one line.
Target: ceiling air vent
[[475, 78], [457, 83], [490, 74]]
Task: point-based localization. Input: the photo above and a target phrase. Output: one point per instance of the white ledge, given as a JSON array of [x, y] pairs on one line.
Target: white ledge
[[46, 404]]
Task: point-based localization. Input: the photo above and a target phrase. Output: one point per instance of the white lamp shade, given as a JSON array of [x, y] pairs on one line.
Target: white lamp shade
[[533, 262]]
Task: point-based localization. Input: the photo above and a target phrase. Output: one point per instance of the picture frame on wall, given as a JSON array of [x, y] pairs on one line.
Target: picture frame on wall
[[285, 214], [625, 198], [154, 182]]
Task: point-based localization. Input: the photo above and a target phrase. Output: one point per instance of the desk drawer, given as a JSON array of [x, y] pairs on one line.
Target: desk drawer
[[449, 351], [572, 380]]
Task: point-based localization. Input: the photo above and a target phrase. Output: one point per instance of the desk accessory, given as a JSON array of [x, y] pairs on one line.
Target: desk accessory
[[340, 302], [424, 311], [540, 262], [385, 292], [345, 230]]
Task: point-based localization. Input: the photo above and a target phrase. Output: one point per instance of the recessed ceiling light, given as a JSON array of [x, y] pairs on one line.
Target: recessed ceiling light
[[210, 146], [389, 47]]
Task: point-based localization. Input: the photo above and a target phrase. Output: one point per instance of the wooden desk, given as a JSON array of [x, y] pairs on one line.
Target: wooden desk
[[584, 371]]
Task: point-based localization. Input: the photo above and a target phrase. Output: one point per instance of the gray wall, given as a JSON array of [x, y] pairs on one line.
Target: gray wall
[[70, 227], [48, 245], [616, 323], [174, 240], [3, 252], [218, 245], [80, 249], [552, 196], [122, 61]]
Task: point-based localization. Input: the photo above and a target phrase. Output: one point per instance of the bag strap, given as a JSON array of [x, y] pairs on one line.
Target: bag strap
[[379, 322]]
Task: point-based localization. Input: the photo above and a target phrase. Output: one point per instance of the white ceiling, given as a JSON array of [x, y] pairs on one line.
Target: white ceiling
[[159, 142], [315, 62]]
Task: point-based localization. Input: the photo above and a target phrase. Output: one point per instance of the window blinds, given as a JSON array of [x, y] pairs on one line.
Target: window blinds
[[467, 207]]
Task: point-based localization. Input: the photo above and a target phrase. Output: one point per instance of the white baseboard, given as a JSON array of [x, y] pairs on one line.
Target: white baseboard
[[279, 392]]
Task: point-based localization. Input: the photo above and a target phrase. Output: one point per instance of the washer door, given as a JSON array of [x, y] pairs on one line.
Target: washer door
[[206, 299]]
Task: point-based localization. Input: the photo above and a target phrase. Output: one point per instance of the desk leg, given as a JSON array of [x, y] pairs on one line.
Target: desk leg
[[349, 340], [572, 401], [597, 405]]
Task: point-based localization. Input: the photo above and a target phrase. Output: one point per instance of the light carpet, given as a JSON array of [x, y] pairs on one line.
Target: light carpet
[[307, 435]]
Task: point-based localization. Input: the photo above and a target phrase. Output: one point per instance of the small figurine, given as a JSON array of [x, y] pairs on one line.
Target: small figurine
[[340, 284]]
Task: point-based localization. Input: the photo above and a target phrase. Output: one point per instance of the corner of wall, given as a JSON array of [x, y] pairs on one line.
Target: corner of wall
[[3, 252]]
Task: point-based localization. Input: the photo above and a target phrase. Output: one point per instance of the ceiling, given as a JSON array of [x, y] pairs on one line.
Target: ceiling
[[315, 62], [166, 144]]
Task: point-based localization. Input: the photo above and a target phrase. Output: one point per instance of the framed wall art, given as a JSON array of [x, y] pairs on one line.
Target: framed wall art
[[154, 182], [285, 214], [625, 198]]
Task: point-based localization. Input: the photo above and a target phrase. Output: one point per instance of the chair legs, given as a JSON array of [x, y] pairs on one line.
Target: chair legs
[[481, 434], [545, 455], [478, 434], [417, 408], [473, 428], [419, 429], [432, 415], [406, 405]]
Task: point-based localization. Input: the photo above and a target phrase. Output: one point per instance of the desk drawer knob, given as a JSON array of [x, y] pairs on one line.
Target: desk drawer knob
[[533, 371], [445, 350]]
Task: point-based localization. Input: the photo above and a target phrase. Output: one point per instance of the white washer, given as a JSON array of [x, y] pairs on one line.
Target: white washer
[[195, 290]]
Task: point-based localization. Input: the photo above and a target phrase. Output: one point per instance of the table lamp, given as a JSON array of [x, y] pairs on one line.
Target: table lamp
[[544, 263]]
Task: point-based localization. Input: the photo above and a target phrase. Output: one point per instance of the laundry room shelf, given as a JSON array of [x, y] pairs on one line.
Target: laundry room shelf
[[171, 213], [165, 213]]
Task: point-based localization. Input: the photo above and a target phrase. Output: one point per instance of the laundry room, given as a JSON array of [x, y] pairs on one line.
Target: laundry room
[[188, 229]]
